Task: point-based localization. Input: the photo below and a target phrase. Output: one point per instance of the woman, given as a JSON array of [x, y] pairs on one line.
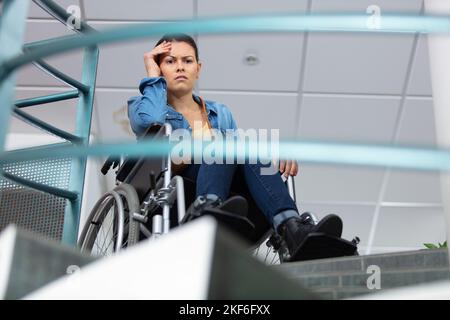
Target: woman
[[173, 68]]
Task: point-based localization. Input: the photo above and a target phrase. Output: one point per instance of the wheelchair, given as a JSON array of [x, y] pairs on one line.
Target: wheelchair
[[150, 199]]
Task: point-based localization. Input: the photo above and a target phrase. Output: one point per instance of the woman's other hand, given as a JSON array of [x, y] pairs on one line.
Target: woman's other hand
[[288, 167], [151, 66]]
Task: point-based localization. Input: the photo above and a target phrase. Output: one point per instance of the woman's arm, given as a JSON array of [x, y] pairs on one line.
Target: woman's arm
[[151, 106]]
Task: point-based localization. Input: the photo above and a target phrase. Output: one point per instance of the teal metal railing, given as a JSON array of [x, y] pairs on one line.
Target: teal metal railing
[[12, 25]]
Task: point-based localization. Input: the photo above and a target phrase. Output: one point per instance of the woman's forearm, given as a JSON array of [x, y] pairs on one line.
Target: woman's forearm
[[150, 107]]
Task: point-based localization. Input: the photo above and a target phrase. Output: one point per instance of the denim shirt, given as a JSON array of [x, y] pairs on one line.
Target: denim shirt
[[152, 107]]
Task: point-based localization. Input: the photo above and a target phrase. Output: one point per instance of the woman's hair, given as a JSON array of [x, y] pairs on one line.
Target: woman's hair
[[180, 37]]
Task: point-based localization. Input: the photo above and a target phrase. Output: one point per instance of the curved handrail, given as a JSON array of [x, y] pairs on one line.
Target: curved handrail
[[273, 23]]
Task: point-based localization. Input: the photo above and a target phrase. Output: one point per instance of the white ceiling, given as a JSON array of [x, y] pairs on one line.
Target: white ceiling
[[341, 86]]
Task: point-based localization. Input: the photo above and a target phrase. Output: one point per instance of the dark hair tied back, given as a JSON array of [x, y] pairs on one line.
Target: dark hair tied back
[[180, 37]]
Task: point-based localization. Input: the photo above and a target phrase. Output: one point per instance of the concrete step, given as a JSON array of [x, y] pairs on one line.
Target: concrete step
[[200, 260], [422, 259], [348, 277], [29, 261]]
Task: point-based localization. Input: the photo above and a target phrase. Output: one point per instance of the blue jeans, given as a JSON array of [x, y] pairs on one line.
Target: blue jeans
[[268, 190]]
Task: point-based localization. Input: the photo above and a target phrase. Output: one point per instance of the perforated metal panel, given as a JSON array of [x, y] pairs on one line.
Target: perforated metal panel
[[34, 210]]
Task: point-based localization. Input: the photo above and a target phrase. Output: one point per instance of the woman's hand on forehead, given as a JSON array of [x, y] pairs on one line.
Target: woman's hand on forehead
[[151, 66]]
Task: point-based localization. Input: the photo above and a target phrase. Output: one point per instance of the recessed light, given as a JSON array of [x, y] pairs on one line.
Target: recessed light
[[251, 59]]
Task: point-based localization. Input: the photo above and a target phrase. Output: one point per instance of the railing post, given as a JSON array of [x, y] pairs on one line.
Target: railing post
[[12, 30], [83, 125], [439, 52]]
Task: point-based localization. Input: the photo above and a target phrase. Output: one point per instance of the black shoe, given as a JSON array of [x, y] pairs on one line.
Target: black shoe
[[295, 230], [237, 205], [232, 214]]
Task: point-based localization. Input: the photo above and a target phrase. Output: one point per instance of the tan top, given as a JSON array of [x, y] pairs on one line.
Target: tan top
[[197, 131]]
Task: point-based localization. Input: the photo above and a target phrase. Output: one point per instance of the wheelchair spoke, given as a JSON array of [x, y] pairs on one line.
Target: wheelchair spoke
[[257, 251], [267, 254], [274, 259], [96, 244], [111, 242], [102, 231], [107, 234]]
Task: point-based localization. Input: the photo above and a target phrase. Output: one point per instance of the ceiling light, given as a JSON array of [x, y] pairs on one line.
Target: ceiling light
[[251, 59]]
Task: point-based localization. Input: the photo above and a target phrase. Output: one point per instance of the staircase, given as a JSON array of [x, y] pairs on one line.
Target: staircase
[[347, 277]]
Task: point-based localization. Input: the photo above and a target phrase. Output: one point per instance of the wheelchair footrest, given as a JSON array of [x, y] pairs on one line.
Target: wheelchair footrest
[[322, 246], [237, 223]]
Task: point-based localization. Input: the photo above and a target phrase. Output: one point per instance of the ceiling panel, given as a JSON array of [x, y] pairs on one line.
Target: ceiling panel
[[420, 83], [70, 63], [357, 63], [357, 219], [402, 6], [327, 183], [348, 118], [278, 69], [249, 7], [122, 64], [417, 126], [36, 12], [406, 227], [413, 186], [37, 30], [260, 111], [139, 9], [417, 129]]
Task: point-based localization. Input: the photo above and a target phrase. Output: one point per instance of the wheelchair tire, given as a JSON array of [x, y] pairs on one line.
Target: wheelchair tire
[[125, 233], [132, 198]]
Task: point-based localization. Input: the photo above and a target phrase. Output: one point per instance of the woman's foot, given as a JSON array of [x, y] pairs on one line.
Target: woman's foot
[[295, 230]]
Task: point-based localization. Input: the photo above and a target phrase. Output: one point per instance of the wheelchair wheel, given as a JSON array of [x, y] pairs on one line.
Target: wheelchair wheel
[[110, 226], [267, 251]]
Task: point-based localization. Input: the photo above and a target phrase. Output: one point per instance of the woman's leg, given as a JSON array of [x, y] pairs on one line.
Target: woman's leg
[[272, 197], [270, 193], [211, 178]]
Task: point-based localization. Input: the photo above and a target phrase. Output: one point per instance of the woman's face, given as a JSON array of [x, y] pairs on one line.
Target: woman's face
[[180, 68]]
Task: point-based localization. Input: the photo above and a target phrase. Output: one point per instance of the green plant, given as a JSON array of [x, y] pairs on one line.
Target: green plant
[[433, 246]]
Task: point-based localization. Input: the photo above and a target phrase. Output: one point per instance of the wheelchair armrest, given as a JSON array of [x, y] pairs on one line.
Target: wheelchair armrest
[[111, 161], [139, 172], [155, 129]]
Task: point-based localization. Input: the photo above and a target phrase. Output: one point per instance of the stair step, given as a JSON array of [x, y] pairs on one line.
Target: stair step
[[419, 259], [29, 261], [390, 279], [347, 277]]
